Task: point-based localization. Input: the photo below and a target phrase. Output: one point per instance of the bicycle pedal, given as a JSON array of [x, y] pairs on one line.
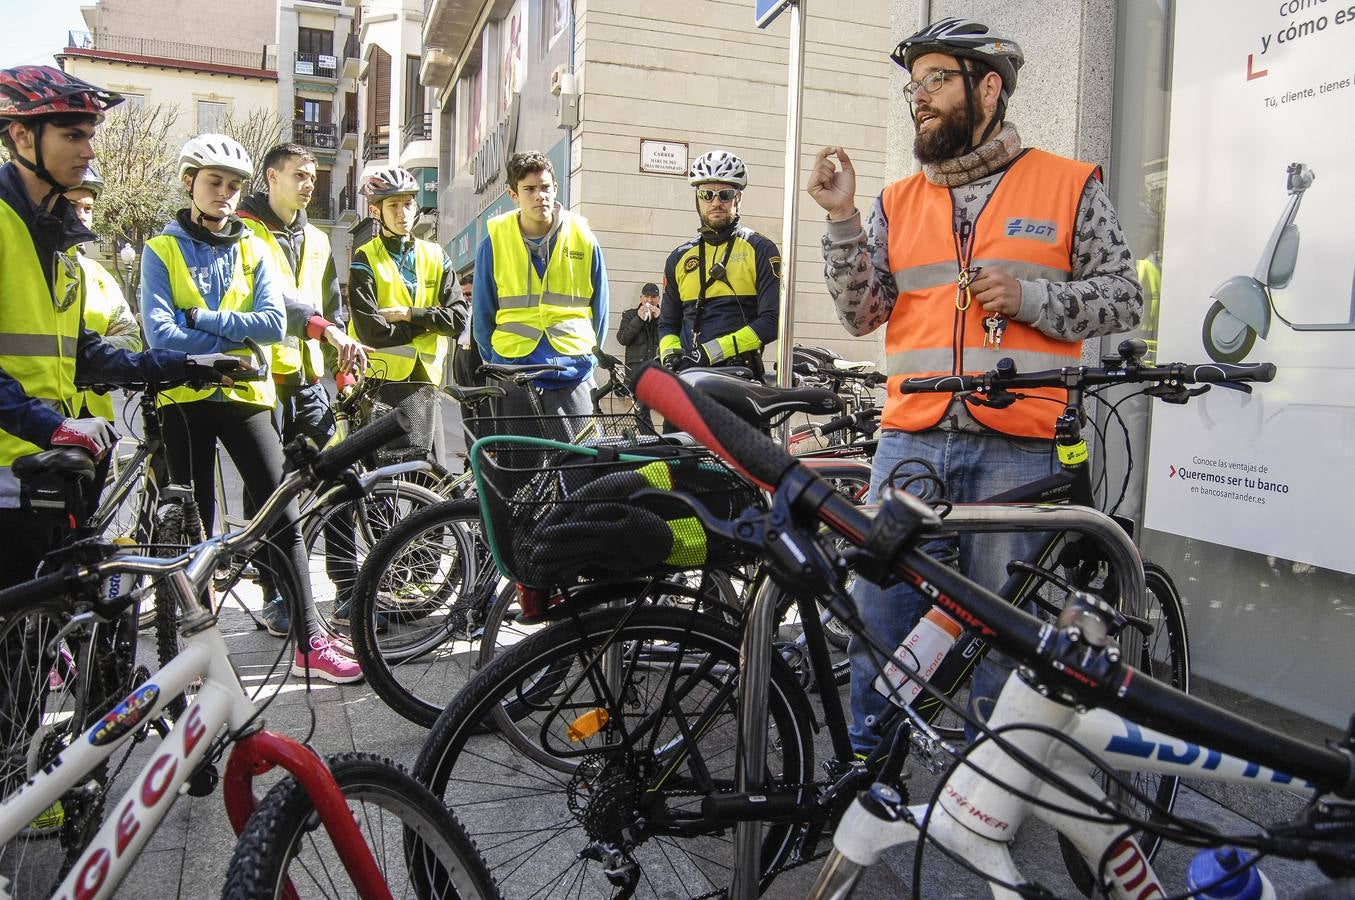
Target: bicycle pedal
[[203, 781]]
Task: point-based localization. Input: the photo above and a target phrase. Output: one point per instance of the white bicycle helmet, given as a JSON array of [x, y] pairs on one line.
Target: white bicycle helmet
[[718, 165], [215, 151], [92, 182], [391, 181]]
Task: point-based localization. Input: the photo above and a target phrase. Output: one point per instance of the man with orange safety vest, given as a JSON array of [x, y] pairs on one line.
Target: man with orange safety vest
[[991, 251]]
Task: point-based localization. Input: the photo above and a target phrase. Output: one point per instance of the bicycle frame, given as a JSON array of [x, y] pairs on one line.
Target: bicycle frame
[[221, 702], [978, 819]]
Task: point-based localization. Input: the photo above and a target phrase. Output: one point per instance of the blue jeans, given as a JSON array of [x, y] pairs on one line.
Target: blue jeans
[[973, 467]]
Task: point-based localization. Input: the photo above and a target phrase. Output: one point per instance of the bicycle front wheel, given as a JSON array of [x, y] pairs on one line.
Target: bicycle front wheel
[[635, 730], [419, 847]]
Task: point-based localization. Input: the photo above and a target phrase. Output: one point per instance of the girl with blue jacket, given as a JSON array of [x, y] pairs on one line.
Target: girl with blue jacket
[[207, 285]]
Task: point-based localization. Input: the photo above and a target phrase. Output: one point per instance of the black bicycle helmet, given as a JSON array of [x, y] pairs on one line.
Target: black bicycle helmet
[[965, 39]]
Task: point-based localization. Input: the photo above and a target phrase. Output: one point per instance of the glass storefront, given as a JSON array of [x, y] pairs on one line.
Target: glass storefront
[[1270, 622]]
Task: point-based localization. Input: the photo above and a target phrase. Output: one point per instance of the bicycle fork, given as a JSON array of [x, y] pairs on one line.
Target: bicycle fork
[[261, 751]]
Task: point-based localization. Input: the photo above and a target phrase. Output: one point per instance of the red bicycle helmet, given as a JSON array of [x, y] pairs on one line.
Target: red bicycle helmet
[[28, 92]]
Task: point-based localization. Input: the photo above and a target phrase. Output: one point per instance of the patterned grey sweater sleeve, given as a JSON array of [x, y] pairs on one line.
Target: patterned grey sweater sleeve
[[1102, 295], [856, 267]]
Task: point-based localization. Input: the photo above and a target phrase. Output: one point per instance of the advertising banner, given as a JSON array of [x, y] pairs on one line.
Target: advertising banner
[[1258, 265]]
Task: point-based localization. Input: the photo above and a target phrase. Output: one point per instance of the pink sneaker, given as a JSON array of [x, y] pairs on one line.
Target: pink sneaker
[[63, 669], [327, 661]]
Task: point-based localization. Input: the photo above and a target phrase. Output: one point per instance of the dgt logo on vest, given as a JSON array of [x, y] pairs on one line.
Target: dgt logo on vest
[[1034, 229]]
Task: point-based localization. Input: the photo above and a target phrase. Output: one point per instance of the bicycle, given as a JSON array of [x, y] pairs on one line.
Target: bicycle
[[434, 583], [431, 855], [1077, 703], [638, 738]]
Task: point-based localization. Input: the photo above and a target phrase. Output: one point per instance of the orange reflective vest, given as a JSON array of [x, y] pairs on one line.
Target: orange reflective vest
[[1026, 228]]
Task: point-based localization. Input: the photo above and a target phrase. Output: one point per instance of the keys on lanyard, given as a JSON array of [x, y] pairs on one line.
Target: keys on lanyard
[[993, 326]]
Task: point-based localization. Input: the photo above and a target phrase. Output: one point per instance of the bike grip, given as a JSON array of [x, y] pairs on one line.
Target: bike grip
[[944, 384], [736, 442], [1220, 372], [332, 462], [832, 426], [14, 600]]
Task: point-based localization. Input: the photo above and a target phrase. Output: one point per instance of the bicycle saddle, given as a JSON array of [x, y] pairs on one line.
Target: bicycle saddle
[[760, 404], [517, 373], [736, 371], [474, 394], [69, 461]]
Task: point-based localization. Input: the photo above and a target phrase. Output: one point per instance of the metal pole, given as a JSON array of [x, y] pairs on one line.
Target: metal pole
[[790, 209]]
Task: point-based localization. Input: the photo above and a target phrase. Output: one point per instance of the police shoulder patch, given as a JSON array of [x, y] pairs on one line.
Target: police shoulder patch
[[776, 266]]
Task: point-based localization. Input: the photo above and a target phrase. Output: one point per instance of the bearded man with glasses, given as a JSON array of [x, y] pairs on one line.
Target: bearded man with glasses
[[721, 288], [991, 251]]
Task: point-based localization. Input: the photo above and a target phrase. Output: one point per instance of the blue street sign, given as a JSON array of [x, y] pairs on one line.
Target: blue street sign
[[764, 11]]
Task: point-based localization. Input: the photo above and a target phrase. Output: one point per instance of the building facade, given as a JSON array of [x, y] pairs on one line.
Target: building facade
[[395, 119], [319, 57]]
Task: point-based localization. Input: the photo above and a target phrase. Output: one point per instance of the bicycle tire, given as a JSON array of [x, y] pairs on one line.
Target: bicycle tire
[[266, 859], [546, 825], [169, 535], [401, 665], [390, 501], [38, 720], [1164, 610]]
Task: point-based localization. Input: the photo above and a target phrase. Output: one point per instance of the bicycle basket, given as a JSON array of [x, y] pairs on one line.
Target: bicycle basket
[[591, 428], [419, 401], [556, 513]]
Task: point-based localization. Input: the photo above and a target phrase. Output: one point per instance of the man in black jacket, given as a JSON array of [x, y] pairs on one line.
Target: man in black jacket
[[639, 333]]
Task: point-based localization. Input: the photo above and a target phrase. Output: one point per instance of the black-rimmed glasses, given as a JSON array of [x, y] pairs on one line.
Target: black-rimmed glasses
[[931, 83]]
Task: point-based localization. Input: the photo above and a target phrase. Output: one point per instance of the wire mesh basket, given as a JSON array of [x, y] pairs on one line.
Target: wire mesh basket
[[557, 512], [419, 401]]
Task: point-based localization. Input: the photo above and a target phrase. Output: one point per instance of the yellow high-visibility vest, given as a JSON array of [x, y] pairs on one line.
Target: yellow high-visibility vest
[[560, 306], [293, 354], [397, 363], [239, 297], [38, 338], [103, 302]]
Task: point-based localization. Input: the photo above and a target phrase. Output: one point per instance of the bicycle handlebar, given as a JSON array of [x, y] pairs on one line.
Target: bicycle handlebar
[[1083, 376], [1120, 688]]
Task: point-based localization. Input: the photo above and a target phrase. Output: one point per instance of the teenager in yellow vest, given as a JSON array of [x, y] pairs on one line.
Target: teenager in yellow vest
[[208, 282], [990, 251], [47, 122], [107, 312], [540, 293], [402, 296], [315, 345]]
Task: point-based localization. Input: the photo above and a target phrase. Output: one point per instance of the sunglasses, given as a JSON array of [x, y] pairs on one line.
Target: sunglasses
[[728, 195]]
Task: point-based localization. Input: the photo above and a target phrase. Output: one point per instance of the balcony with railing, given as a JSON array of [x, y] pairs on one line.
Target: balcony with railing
[[139, 49], [419, 127], [376, 146], [316, 65], [348, 209], [348, 131], [317, 135], [321, 209], [352, 58]]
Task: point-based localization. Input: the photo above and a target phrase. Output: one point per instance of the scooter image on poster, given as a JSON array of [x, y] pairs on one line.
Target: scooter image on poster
[[1244, 304]]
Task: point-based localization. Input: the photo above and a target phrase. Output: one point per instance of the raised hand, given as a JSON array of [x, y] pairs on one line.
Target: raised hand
[[833, 187]]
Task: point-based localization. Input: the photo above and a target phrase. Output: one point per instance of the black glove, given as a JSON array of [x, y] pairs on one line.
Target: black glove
[[190, 317], [672, 360], [696, 356]]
